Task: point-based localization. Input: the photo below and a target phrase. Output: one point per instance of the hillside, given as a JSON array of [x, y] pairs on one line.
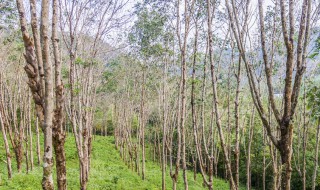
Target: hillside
[[108, 171]]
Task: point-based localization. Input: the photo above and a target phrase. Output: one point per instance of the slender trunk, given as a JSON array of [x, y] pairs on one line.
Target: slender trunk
[[47, 181], [215, 99], [193, 111], [183, 111], [138, 150], [58, 131], [104, 132], [19, 135], [30, 133], [229, 128], [207, 182], [264, 161], [38, 142], [37, 44], [6, 145], [237, 125], [174, 176], [26, 137], [142, 120], [305, 136], [194, 162], [159, 149], [164, 123], [274, 158], [183, 51], [251, 130], [316, 155]]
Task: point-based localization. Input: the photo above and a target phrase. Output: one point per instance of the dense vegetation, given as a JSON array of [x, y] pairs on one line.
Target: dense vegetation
[[153, 94]]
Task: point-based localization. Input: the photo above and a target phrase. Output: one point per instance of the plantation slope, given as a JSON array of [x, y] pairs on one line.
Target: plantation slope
[[108, 171]]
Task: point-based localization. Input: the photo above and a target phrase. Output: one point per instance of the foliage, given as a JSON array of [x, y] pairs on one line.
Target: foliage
[[8, 14], [313, 97], [147, 32], [316, 50]]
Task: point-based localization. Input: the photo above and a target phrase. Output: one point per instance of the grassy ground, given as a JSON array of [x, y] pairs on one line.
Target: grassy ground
[[108, 171]]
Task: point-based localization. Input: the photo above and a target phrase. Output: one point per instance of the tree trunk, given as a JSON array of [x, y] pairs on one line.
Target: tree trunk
[[6, 144], [30, 133], [38, 142], [237, 126], [26, 137], [286, 154], [19, 135], [142, 120], [47, 181], [264, 161], [316, 155], [164, 123], [44, 102], [215, 99], [58, 131], [19, 155], [251, 131], [305, 137]]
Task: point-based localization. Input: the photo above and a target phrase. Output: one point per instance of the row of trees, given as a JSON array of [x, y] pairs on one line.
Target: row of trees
[[227, 89], [219, 89], [61, 56]]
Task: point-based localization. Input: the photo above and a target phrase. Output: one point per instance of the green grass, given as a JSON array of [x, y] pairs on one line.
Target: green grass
[[108, 171]]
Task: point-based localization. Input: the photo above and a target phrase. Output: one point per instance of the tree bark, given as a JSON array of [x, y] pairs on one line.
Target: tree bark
[[38, 142], [316, 155], [58, 131], [237, 126], [305, 137], [164, 125], [285, 148], [30, 133], [142, 123], [251, 131]]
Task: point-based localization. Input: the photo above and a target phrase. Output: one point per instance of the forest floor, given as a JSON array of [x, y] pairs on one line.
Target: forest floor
[[108, 171]]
